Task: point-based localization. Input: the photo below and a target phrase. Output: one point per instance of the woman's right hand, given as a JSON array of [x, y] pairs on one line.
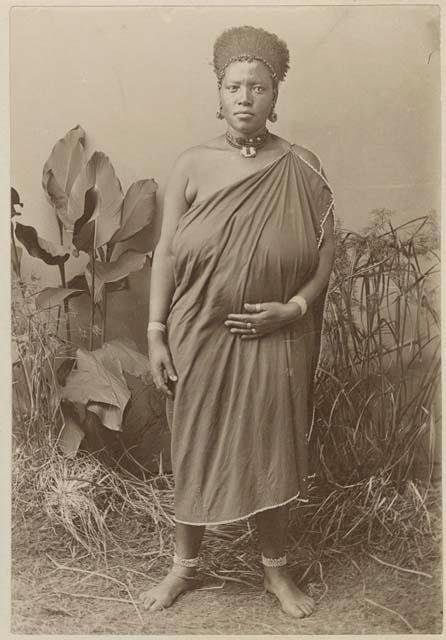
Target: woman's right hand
[[161, 365]]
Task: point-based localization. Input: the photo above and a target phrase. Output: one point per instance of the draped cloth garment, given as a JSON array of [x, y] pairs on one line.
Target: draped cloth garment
[[242, 410]]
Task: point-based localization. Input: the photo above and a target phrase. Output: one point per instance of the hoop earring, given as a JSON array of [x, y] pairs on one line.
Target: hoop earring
[[219, 115], [272, 116]]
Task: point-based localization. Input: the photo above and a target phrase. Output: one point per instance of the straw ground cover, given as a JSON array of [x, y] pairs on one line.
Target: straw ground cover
[[70, 596], [89, 533]]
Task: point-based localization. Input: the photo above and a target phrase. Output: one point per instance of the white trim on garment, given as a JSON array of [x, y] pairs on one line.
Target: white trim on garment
[[211, 524], [331, 205], [321, 237], [319, 173], [323, 221]]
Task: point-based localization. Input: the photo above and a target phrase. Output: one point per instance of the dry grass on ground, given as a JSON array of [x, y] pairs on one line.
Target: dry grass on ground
[[58, 588], [48, 599], [87, 539]]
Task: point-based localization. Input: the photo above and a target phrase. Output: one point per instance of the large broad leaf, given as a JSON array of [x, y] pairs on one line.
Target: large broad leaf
[[102, 389], [98, 173], [138, 209], [105, 272], [64, 369], [61, 169], [15, 201], [85, 227], [126, 353], [80, 282], [111, 417], [143, 241], [53, 296], [118, 356], [58, 198], [49, 252], [71, 436]]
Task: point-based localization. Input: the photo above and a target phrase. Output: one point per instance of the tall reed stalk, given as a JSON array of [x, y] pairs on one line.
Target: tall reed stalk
[[381, 354]]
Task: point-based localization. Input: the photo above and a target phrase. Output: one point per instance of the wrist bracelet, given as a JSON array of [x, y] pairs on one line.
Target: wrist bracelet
[[156, 326], [300, 300]]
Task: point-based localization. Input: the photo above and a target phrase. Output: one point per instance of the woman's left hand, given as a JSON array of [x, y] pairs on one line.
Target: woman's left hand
[[261, 318]]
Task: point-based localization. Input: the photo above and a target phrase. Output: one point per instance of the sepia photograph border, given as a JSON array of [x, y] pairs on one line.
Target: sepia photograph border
[[5, 324]]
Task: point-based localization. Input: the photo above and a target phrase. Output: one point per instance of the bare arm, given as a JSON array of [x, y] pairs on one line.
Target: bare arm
[[317, 283], [162, 277]]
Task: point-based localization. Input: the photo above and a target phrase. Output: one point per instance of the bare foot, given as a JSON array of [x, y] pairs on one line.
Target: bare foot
[[294, 601], [165, 593]]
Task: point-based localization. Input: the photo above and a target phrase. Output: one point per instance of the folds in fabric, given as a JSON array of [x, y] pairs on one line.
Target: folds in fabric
[[243, 409]]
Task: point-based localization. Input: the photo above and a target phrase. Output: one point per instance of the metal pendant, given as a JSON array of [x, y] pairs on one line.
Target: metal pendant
[[248, 152]]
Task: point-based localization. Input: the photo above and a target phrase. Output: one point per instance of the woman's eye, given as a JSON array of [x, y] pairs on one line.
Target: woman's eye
[[259, 89]]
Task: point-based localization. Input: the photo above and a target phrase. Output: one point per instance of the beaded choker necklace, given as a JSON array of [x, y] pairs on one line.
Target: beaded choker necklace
[[248, 146]]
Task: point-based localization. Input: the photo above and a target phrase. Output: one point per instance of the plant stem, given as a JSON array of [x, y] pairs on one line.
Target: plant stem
[[62, 275], [104, 254], [92, 267], [66, 307], [104, 313]]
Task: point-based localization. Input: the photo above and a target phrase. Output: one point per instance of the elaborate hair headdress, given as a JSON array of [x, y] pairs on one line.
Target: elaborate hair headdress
[[251, 43]]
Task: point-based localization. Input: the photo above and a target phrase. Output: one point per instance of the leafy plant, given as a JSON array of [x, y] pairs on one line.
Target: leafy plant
[[37, 247], [97, 382], [92, 211], [96, 217]]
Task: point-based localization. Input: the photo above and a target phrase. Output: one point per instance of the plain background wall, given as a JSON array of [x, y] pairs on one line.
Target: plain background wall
[[363, 92]]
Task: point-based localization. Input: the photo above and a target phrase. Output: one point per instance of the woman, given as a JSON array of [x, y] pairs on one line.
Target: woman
[[240, 275]]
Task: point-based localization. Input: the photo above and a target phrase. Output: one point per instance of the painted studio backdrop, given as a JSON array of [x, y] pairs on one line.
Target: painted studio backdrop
[[363, 92]]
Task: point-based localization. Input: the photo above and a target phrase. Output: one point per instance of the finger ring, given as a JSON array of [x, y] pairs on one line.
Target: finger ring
[[253, 330], [249, 325], [258, 306]]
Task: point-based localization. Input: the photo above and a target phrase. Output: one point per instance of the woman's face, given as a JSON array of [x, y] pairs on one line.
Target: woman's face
[[247, 96]]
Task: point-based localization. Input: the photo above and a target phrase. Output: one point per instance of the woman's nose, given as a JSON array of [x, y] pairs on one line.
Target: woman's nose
[[245, 96]]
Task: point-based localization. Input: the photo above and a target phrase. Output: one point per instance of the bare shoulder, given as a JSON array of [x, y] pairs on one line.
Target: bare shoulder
[[192, 157], [185, 160], [182, 171], [308, 156]]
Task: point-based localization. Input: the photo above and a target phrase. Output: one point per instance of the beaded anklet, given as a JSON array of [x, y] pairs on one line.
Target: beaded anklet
[[189, 563], [274, 562]]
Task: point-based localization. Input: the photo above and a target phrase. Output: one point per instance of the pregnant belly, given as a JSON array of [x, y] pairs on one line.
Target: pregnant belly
[[213, 281]]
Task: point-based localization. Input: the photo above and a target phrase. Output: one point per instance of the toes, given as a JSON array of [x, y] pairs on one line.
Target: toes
[[296, 611], [310, 600], [300, 609], [309, 603], [156, 606], [148, 602], [312, 605], [147, 599], [306, 609]]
